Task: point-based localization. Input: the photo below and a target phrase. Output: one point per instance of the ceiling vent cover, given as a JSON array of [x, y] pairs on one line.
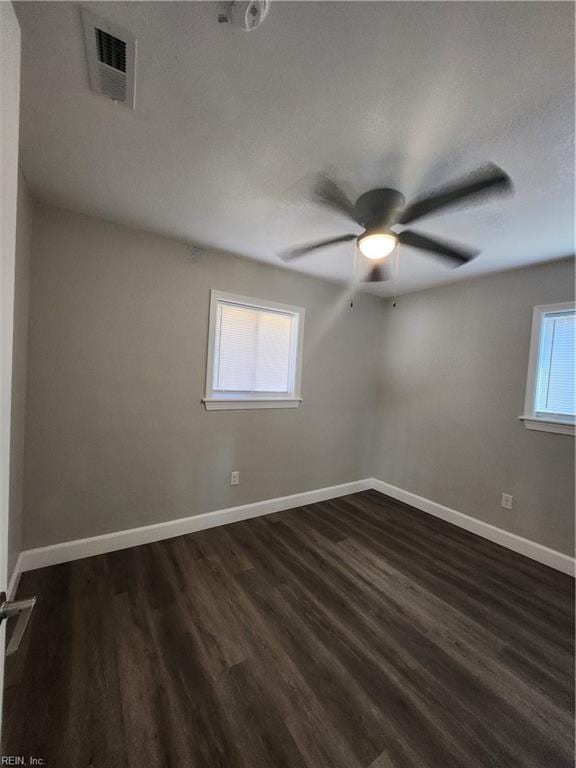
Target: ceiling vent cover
[[111, 54]]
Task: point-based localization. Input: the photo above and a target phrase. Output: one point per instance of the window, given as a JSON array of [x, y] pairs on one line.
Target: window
[[254, 354], [550, 391]]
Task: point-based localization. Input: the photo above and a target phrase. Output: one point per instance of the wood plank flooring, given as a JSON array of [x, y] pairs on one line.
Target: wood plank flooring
[[354, 633]]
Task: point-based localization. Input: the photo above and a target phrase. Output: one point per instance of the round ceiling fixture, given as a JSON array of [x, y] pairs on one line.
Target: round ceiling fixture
[[377, 245]]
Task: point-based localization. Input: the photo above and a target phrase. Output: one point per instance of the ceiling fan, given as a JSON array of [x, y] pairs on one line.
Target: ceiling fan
[[378, 210]]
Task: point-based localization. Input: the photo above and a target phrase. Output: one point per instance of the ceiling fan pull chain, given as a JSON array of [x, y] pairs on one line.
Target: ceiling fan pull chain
[[354, 281], [396, 264]]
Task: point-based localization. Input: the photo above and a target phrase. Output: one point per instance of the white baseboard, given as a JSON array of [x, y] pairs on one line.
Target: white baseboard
[[133, 537], [109, 542], [512, 541]]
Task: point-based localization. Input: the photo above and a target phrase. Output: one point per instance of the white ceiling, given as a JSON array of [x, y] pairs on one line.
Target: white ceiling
[[231, 127]]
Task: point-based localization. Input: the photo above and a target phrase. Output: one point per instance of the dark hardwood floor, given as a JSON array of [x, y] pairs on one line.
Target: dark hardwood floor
[[352, 633]]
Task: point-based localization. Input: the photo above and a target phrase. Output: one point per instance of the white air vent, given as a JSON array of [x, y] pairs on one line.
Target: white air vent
[[111, 54]]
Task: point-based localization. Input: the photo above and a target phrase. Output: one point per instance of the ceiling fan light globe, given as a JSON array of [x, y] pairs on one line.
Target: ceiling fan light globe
[[377, 245]]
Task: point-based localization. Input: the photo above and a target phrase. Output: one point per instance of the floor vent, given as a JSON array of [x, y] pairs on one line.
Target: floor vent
[[111, 54]]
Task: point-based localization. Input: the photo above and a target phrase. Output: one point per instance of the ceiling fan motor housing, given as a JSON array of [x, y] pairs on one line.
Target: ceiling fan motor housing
[[378, 209]]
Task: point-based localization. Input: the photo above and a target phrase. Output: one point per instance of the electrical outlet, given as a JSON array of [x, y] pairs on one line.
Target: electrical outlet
[[235, 478], [507, 501]]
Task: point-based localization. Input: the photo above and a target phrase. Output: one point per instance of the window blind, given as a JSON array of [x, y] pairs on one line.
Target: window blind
[[555, 391], [252, 349]]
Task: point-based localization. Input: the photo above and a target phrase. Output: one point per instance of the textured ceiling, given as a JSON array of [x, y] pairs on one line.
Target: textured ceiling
[[230, 127]]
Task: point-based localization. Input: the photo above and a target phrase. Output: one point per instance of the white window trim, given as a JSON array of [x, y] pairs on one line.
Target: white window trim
[[543, 422], [235, 401]]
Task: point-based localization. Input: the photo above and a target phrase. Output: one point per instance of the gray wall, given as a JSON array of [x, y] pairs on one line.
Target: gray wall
[[19, 360], [454, 364], [116, 435], [425, 396]]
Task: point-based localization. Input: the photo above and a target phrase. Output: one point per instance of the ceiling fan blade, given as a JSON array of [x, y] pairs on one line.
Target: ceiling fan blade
[[487, 180], [455, 254], [329, 194], [303, 250], [379, 273]]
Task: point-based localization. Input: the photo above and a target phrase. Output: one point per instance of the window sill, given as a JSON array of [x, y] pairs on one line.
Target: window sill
[[549, 425], [248, 403]]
